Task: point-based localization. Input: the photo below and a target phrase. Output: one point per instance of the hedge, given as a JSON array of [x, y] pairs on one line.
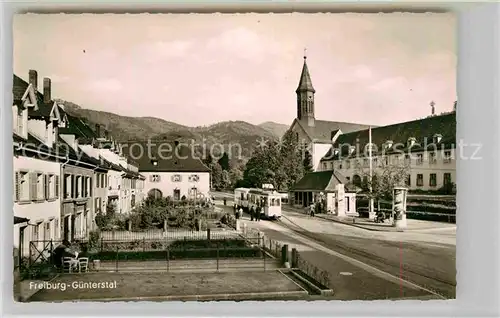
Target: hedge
[[173, 254]]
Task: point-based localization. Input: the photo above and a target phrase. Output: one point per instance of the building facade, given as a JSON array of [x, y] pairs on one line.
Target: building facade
[[424, 148], [176, 174], [36, 179]]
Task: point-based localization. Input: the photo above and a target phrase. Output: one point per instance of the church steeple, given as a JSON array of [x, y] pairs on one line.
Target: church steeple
[[305, 96]]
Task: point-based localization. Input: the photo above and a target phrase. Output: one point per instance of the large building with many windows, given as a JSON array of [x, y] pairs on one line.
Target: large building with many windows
[[424, 148]]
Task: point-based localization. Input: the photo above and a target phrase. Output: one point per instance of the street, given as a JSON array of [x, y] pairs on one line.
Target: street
[[373, 259]]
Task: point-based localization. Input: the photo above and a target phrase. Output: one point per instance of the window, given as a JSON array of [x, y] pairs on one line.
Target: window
[[98, 179], [68, 186], [446, 178], [103, 180], [340, 164], [46, 234], [36, 232], [348, 178], [375, 162], [408, 180], [51, 191], [39, 187], [331, 165], [432, 180], [155, 178], [447, 157], [407, 159], [420, 159], [432, 158], [386, 160], [420, 180], [324, 165], [20, 122], [22, 186]]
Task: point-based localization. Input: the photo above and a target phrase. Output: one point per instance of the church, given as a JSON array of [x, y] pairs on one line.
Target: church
[[317, 134]]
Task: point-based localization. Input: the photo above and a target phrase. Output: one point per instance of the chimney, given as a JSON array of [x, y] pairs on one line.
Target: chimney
[[46, 90], [98, 130], [433, 110], [33, 78]]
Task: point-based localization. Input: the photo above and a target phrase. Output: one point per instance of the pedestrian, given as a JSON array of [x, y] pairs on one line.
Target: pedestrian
[[239, 213], [224, 201], [251, 213], [257, 215], [312, 209]]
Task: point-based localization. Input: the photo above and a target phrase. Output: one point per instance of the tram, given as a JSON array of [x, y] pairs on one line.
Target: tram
[[267, 198], [241, 198]]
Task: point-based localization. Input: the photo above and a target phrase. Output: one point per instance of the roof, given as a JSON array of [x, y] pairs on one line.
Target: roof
[[423, 130], [323, 129], [169, 159], [19, 87], [322, 181], [305, 83], [76, 126], [18, 220]]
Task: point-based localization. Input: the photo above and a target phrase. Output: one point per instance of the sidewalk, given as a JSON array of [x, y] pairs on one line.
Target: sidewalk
[[364, 223]]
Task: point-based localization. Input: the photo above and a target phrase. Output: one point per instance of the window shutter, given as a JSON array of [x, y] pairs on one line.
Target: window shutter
[[17, 188], [56, 190], [33, 186], [46, 186]]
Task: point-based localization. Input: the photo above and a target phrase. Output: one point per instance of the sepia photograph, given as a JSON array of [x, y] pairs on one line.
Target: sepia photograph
[[236, 157]]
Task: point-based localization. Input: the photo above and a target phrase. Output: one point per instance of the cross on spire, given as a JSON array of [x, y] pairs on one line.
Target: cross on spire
[[305, 53]]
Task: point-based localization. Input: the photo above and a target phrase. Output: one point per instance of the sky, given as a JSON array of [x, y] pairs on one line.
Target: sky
[[199, 69]]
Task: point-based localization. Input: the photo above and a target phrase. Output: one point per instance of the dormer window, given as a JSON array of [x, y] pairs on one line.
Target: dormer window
[[335, 152], [351, 149], [411, 141], [154, 162], [437, 138], [388, 144]]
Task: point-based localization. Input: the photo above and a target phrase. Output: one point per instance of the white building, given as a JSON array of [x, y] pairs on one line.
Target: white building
[[315, 135], [37, 172], [175, 173]]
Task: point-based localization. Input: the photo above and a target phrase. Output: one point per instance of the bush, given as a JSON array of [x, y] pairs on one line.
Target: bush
[[94, 237]]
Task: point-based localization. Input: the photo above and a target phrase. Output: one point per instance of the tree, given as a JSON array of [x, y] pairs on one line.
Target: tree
[[217, 178], [224, 162], [307, 163], [385, 177], [291, 160], [235, 175]]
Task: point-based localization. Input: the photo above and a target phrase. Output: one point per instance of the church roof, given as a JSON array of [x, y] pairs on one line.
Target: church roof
[[323, 129], [322, 181], [305, 83], [423, 130]]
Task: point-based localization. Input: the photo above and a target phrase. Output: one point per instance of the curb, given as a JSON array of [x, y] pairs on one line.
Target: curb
[[358, 226]]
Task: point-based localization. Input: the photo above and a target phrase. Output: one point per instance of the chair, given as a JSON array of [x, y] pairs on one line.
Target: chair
[[83, 264], [67, 264]]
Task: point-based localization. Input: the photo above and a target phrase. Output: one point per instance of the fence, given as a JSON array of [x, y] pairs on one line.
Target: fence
[[280, 251], [168, 235]]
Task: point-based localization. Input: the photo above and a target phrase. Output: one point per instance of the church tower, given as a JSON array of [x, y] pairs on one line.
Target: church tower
[[305, 97]]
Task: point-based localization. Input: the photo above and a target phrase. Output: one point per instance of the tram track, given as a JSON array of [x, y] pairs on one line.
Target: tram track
[[415, 274]]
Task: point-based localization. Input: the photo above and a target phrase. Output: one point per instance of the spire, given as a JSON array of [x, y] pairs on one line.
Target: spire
[[305, 83]]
